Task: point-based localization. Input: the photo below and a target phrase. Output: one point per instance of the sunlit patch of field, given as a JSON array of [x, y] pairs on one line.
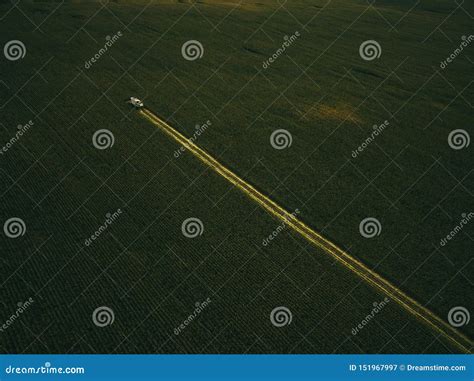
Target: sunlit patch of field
[[236, 4], [340, 112]]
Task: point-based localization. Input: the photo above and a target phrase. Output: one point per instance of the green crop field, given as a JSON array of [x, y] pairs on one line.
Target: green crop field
[[340, 111]]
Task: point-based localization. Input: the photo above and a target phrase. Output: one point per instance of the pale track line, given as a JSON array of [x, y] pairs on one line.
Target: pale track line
[[381, 284]]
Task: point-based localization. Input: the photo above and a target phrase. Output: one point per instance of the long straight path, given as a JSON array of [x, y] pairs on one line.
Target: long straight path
[[449, 333]]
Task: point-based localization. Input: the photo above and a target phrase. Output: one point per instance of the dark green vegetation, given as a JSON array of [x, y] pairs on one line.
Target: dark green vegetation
[[320, 90]]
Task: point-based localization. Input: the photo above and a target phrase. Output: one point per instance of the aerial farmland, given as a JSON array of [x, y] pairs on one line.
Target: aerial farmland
[[236, 176]]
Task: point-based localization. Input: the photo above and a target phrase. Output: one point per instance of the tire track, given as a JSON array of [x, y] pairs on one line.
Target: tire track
[[452, 335]]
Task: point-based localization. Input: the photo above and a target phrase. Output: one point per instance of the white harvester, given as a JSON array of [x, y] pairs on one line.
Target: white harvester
[[135, 102]]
